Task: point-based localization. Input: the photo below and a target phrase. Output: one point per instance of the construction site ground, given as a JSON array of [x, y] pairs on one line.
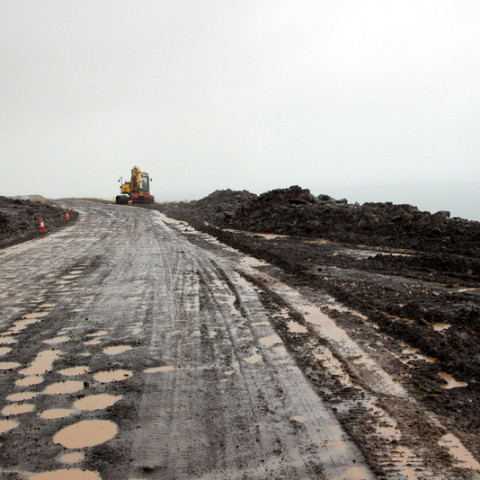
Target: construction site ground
[[135, 346]]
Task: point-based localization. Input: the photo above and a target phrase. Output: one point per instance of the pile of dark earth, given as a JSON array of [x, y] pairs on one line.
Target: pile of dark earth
[[20, 220], [414, 277]]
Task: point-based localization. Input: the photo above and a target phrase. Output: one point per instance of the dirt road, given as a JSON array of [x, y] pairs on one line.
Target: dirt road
[[133, 347]]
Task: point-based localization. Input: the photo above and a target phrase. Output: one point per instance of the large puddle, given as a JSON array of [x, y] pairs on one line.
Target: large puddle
[[43, 363], [70, 386], [9, 365], [116, 349], [55, 413], [74, 371], [29, 381], [67, 474], [21, 397], [86, 433], [18, 409], [7, 425], [112, 376], [96, 402]]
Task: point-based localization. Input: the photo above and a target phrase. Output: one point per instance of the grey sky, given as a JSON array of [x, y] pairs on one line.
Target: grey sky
[[371, 100]]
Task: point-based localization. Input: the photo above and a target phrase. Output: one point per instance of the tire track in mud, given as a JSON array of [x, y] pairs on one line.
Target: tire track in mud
[[376, 411]]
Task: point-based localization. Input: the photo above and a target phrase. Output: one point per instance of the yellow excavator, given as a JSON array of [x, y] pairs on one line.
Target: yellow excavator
[[137, 190]]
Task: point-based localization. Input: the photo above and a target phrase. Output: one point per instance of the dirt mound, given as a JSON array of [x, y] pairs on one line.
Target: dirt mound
[[20, 219], [295, 211]]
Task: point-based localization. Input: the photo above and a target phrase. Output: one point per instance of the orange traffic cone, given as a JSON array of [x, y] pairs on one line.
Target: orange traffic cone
[[42, 225], [67, 216]]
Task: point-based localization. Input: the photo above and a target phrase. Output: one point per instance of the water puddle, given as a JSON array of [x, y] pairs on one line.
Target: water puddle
[[451, 382], [112, 376], [334, 366], [95, 341], [7, 425], [4, 350], [43, 363], [71, 458], [56, 340], [295, 327], [271, 340], [35, 315], [20, 325], [9, 365], [67, 473], [21, 397], [96, 402], [29, 381], [74, 371], [48, 305], [18, 409], [164, 368], [7, 340], [97, 334], [133, 299], [86, 433], [59, 388], [254, 358], [438, 327], [299, 418], [116, 349], [54, 413], [464, 458]]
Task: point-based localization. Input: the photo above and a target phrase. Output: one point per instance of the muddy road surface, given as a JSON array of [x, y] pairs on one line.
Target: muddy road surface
[[134, 347]]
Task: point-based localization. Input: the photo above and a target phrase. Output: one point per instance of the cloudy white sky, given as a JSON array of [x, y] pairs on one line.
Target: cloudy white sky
[[372, 100]]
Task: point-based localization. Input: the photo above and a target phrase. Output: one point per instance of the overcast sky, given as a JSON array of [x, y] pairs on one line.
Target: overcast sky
[[371, 100]]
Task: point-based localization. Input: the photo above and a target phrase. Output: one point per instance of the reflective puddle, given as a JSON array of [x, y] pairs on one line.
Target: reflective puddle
[[7, 425], [55, 413], [9, 365], [438, 327], [67, 473], [299, 418], [86, 433], [29, 381], [43, 363], [71, 458], [254, 358], [295, 327], [7, 340], [58, 388], [96, 402], [20, 325], [164, 368], [112, 376], [271, 340], [451, 382], [18, 409], [95, 341], [116, 349], [35, 315], [74, 371], [5, 350], [56, 340], [22, 396]]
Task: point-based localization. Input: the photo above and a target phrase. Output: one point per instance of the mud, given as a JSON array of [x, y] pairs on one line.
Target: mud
[[417, 285]]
